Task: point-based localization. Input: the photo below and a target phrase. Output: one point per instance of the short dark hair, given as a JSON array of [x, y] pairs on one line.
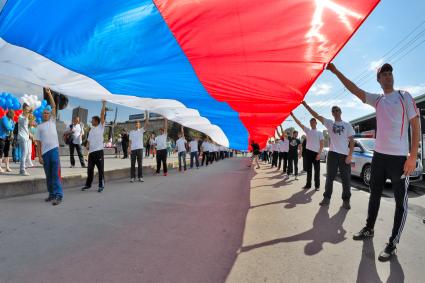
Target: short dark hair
[[295, 132], [96, 118], [313, 119]]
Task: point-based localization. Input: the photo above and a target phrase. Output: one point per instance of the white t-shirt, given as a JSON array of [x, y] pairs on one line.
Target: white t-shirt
[[23, 132], [47, 135], [283, 145], [313, 139], [136, 138], [393, 113], [205, 146], [77, 131], [161, 142], [268, 147], [275, 147], [96, 138], [193, 146], [180, 144], [339, 134]]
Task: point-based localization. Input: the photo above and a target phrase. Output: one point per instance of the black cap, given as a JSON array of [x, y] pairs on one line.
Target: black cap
[[384, 68]]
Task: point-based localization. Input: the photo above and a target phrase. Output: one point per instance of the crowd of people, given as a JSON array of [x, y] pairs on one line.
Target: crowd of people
[[30, 140], [394, 158]]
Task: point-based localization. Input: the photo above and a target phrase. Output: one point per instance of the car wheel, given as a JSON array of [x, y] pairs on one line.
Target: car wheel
[[366, 174]]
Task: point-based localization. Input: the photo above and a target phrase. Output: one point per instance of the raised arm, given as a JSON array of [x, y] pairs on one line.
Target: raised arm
[[182, 131], [313, 113], [353, 88], [102, 113], [146, 120], [51, 101], [165, 126], [297, 121]]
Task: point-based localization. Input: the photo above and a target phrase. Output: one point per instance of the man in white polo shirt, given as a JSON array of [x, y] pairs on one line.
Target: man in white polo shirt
[[313, 149], [48, 152], [95, 147], [181, 149], [341, 135], [193, 146], [161, 149], [395, 110], [136, 151]]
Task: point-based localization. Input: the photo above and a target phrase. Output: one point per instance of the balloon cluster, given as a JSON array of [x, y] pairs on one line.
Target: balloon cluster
[[38, 113], [31, 100], [9, 102]]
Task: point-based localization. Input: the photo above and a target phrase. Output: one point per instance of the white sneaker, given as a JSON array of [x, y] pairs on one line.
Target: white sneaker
[[286, 177], [132, 180], [25, 173], [141, 180]]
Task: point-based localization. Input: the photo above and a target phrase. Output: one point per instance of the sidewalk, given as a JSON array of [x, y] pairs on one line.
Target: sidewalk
[[288, 237], [12, 184]]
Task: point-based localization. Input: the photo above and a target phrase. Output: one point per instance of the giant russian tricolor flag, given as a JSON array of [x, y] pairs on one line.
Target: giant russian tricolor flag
[[233, 69]]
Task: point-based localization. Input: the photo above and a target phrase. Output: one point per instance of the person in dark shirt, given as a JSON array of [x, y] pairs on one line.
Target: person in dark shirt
[[293, 154], [255, 153], [124, 142]]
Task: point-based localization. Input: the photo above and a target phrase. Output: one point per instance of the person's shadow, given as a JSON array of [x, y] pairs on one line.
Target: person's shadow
[[301, 197], [367, 271], [325, 230]]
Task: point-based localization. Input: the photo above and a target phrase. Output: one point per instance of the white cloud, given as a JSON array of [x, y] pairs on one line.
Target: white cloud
[[415, 90], [374, 65], [320, 89]]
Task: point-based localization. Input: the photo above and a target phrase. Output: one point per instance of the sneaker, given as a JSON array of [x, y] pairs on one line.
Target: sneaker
[[8, 169], [306, 187], [85, 188], [317, 189], [49, 198], [363, 234], [286, 177], [141, 180], [56, 201], [72, 166], [325, 202], [132, 180], [165, 174], [296, 177], [25, 173], [83, 166], [346, 204], [387, 253], [100, 189], [1, 170]]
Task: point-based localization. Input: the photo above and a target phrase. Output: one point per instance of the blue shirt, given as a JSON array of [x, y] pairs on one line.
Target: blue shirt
[[6, 126]]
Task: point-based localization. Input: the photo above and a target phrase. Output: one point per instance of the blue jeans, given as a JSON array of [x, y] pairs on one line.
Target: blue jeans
[[194, 155], [182, 155], [24, 147], [52, 169]]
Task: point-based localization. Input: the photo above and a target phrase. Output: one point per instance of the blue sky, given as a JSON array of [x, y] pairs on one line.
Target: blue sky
[[389, 23]]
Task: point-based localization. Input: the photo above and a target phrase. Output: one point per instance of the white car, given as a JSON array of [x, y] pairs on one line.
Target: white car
[[362, 159]]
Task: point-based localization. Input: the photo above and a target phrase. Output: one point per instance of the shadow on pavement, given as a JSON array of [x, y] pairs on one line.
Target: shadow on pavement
[[367, 271], [325, 229], [301, 197]]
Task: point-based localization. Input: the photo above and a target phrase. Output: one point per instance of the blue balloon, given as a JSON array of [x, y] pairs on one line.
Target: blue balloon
[[1, 102], [44, 103]]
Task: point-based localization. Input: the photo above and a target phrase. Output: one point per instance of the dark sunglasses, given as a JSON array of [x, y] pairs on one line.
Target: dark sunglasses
[[335, 110]]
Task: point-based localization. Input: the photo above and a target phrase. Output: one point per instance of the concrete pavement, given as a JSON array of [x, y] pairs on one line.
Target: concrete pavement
[[227, 223]]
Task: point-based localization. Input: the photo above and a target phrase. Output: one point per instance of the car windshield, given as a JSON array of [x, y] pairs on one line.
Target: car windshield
[[368, 144]]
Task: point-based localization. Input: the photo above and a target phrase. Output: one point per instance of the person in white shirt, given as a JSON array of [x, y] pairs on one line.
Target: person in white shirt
[[341, 148], [95, 148], [283, 148], [24, 137], [76, 130], [395, 110], [48, 152], [193, 146], [161, 149], [135, 150], [181, 144], [275, 153], [205, 152], [312, 153]]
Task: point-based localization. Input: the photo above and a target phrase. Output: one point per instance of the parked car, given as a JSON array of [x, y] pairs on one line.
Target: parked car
[[362, 159], [324, 154]]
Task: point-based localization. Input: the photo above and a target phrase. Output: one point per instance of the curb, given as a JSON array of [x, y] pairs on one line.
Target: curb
[[38, 185]]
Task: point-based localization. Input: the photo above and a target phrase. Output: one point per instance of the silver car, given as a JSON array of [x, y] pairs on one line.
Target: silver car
[[362, 159]]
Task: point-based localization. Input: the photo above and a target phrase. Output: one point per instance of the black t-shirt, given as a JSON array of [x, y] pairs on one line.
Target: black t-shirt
[[255, 148], [293, 146]]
